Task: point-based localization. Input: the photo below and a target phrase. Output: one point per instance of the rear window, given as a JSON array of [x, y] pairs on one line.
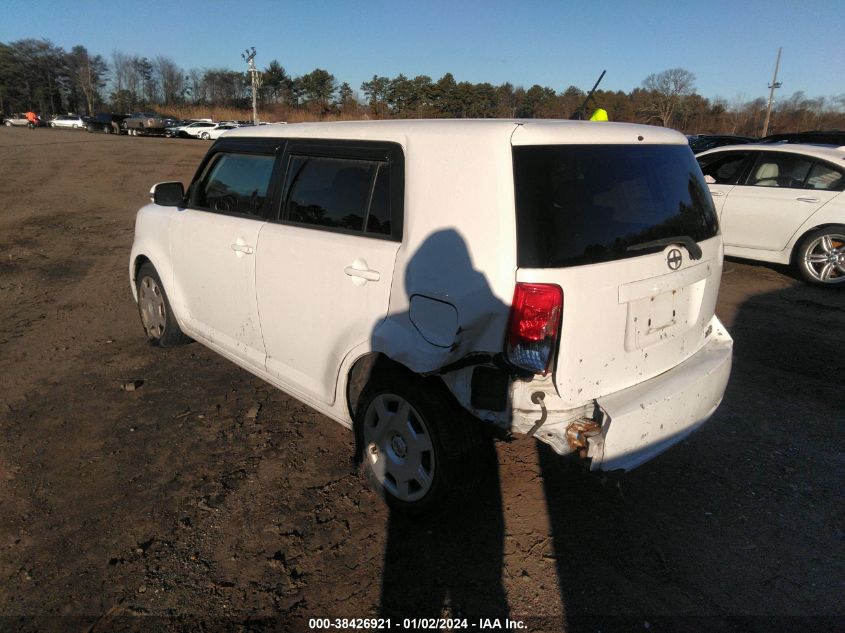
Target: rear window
[[581, 204]]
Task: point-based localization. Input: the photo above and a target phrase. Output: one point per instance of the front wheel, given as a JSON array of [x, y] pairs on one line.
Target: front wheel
[[205, 136], [156, 314], [821, 256], [419, 449]]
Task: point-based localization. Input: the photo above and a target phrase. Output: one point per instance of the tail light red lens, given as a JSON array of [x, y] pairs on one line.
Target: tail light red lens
[[533, 326]]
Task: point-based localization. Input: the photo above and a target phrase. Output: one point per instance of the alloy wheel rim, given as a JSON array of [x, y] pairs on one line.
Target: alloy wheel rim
[[399, 447], [151, 307], [825, 258]]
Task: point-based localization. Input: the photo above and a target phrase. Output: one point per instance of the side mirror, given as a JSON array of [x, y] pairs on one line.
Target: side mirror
[[168, 194]]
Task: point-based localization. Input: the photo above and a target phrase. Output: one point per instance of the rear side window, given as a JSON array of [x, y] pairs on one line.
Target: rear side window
[[779, 169], [825, 177], [338, 193], [580, 204], [235, 183], [725, 168]]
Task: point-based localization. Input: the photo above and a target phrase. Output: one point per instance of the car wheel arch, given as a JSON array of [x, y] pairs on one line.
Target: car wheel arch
[[362, 371], [801, 235], [162, 265], [140, 260]]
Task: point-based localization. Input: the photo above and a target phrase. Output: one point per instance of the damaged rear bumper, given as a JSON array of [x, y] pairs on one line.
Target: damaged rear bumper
[[630, 427]]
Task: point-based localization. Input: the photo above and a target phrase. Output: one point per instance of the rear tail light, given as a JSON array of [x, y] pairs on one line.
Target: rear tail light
[[533, 326]]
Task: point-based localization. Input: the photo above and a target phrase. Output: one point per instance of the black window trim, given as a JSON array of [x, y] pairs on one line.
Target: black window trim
[[256, 146], [385, 152]]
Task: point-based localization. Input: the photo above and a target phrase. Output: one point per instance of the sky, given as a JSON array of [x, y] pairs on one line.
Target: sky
[[730, 46]]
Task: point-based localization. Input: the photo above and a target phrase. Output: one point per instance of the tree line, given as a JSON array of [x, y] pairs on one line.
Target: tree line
[[38, 75]]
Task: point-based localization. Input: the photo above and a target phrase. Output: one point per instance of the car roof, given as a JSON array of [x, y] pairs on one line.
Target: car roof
[[516, 131], [834, 154]]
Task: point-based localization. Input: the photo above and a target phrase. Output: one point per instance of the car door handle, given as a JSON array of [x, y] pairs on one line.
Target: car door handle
[[717, 193], [369, 275], [246, 249], [808, 199]]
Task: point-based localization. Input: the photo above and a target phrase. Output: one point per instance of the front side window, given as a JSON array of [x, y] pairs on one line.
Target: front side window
[[339, 193], [779, 169], [235, 183], [725, 167]]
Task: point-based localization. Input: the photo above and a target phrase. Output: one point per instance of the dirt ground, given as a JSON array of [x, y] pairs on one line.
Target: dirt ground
[[206, 500]]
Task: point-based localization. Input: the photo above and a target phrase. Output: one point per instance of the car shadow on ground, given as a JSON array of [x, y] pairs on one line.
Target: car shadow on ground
[[777, 269], [710, 536], [733, 528]]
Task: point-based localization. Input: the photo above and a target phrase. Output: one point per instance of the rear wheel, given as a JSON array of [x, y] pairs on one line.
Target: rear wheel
[[205, 136], [821, 256], [419, 449], [156, 314]]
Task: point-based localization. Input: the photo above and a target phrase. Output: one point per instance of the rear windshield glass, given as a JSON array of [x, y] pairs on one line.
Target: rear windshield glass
[[580, 204]]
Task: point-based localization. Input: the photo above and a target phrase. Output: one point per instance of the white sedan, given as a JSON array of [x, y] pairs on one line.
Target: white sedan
[[213, 133], [71, 121], [782, 204], [195, 129]]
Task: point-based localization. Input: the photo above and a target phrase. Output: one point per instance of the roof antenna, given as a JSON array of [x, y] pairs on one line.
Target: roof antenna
[[579, 114]]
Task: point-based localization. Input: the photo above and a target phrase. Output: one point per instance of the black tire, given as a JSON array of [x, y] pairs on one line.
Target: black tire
[[157, 316], [820, 256], [453, 464]]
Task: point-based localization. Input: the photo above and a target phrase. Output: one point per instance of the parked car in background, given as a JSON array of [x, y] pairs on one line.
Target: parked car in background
[[782, 203], [146, 123], [73, 121], [107, 123], [833, 138], [194, 129], [702, 142], [214, 133], [418, 280], [173, 127], [16, 119], [19, 119]]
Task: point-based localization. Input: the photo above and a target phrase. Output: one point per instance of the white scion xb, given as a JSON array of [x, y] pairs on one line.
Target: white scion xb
[[417, 281]]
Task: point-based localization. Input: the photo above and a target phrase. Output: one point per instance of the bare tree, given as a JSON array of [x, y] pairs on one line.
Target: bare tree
[[666, 91], [88, 74], [171, 78], [120, 64]]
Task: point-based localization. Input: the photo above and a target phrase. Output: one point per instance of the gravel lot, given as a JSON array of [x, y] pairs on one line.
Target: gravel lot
[[206, 500]]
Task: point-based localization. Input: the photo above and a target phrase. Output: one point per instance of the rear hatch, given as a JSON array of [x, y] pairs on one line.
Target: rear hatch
[[629, 233]]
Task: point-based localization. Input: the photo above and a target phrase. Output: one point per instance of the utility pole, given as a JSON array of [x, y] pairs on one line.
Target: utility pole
[[772, 86], [249, 57]]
